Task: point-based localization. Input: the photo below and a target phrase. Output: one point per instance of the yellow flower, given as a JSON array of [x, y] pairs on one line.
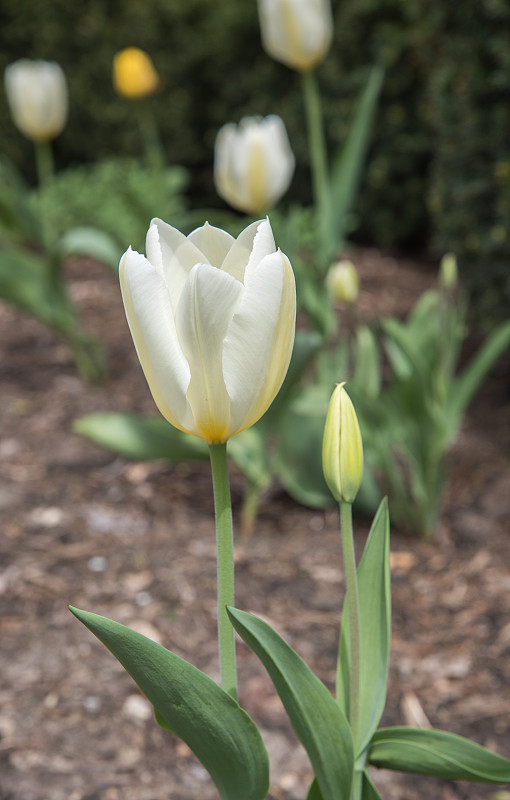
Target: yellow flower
[[296, 32], [134, 75], [253, 163], [342, 448], [37, 96], [212, 319]]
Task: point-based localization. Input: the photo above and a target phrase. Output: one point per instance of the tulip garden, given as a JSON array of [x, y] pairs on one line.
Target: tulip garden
[[254, 498]]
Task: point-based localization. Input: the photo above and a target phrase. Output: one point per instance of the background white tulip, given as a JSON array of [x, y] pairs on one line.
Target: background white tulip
[[253, 163], [212, 319], [37, 96], [296, 32]]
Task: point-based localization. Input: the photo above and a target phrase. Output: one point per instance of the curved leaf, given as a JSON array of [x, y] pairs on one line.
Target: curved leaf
[[375, 622], [140, 437], [201, 713], [368, 790], [316, 717], [432, 752]]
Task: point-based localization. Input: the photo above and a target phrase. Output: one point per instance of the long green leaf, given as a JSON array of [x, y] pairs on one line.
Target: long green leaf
[[92, 242], [140, 437], [348, 162], [216, 729], [314, 793], [368, 790], [317, 719], [375, 623], [469, 381], [432, 752]]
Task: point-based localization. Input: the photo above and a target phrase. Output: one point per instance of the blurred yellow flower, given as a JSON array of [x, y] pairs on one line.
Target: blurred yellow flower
[[37, 96], [134, 75]]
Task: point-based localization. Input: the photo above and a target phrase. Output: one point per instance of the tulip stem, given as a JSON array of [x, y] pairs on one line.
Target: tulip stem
[[225, 565], [352, 599], [45, 172], [318, 156]]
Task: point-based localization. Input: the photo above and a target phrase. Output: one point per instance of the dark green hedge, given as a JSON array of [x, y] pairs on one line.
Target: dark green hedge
[[439, 170]]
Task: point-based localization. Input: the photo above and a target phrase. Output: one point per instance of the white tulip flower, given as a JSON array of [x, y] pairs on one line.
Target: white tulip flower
[[296, 32], [253, 163], [37, 96], [212, 319]]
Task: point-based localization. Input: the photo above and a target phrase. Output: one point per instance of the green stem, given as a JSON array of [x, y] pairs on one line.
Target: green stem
[[318, 157], [352, 599], [150, 136], [225, 557], [45, 173]]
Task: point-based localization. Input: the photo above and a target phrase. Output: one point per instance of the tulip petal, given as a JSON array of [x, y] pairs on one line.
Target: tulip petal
[[173, 255], [259, 342], [239, 254], [212, 242], [152, 326], [263, 245], [207, 305]]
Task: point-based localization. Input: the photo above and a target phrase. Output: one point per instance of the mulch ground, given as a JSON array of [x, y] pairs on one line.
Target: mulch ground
[[135, 541]]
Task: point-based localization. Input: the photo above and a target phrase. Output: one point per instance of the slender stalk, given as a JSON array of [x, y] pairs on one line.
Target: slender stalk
[[351, 582], [225, 565], [44, 163], [45, 173], [318, 156]]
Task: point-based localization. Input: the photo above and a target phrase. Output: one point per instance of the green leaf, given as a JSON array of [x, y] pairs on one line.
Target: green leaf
[[141, 437], [215, 728], [348, 161], [25, 282], [314, 793], [298, 463], [467, 384], [432, 752], [93, 242], [316, 717], [368, 790], [375, 623]]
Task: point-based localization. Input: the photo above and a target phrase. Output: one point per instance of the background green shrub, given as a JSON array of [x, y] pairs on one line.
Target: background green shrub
[[439, 170]]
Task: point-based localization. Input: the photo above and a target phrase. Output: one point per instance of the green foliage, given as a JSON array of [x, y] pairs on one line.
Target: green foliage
[[375, 623], [194, 707], [439, 164], [317, 719], [117, 196], [431, 752]]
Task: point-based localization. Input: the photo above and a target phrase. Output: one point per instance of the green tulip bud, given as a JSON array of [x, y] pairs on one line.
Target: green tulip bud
[[342, 448], [448, 273], [343, 282]]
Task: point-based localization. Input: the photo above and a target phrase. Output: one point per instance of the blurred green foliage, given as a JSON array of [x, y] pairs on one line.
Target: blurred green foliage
[[439, 171], [117, 196]]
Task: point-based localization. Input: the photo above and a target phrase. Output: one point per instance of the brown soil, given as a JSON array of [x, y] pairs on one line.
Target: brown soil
[[135, 542]]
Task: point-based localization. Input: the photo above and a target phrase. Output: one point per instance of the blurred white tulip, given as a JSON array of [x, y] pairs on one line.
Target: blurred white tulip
[[296, 32], [213, 320], [37, 96], [253, 163]]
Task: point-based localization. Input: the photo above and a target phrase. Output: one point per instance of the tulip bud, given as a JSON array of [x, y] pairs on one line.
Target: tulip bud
[[37, 96], [212, 319], [342, 448], [448, 273], [134, 75], [253, 163], [343, 282], [296, 32]]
